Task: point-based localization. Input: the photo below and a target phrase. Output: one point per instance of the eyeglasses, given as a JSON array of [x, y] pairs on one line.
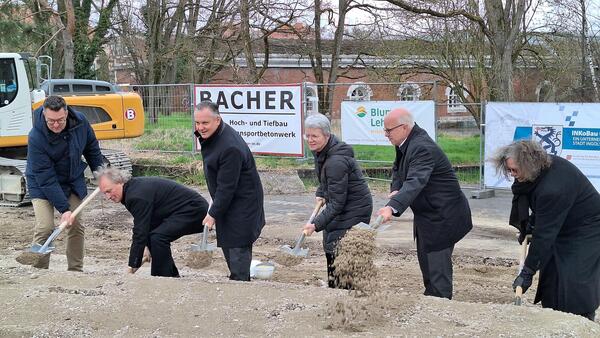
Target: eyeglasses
[[52, 122], [388, 131]]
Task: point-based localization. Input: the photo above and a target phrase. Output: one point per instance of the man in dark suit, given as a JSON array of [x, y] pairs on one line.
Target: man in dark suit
[[423, 179], [163, 211], [234, 185]]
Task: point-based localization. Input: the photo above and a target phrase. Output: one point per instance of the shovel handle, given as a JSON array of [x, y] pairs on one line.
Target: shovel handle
[[76, 212], [523, 252], [205, 236], [377, 222], [83, 204], [522, 256], [300, 240], [302, 236], [318, 207]]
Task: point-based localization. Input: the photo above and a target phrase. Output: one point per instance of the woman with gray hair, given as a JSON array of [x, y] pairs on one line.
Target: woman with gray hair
[[564, 223], [341, 185]]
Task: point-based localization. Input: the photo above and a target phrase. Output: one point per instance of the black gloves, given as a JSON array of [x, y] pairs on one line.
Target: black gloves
[[528, 231], [524, 279]]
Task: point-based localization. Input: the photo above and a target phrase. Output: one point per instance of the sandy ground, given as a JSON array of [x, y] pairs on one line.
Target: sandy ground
[[104, 301]]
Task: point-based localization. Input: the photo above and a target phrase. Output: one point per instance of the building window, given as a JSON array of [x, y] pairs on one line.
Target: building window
[[545, 92], [454, 102], [359, 91], [409, 92], [311, 98]]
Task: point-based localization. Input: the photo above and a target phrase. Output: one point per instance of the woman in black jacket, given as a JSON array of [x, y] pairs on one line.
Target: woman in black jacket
[[565, 225], [341, 184]]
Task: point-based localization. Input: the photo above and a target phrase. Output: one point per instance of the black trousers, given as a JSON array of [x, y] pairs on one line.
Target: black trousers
[[238, 262], [159, 244], [332, 280], [436, 268]]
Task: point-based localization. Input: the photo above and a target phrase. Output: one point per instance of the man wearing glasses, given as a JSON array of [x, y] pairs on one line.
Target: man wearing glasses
[[55, 172], [423, 179]]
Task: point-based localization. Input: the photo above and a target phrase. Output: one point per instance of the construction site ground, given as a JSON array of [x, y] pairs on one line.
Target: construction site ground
[[105, 301]]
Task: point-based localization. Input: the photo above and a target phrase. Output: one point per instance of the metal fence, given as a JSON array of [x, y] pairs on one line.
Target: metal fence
[[169, 123], [168, 112]]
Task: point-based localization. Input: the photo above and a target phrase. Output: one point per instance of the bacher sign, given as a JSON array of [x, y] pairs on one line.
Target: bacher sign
[[268, 117]]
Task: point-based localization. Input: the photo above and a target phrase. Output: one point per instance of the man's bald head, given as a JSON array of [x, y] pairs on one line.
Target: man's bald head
[[398, 124], [399, 116]]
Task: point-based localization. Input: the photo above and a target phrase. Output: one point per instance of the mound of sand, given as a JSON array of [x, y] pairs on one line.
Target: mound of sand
[[199, 259]]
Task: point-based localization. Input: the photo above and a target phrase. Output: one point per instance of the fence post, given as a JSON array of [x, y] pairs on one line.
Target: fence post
[[482, 192], [192, 107]]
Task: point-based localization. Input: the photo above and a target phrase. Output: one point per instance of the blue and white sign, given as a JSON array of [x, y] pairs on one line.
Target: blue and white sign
[[569, 130]]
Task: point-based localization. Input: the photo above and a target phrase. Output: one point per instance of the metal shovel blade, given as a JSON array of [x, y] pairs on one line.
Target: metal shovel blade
[[297, 250], [375, 226], [37, 248], [300, 252], [46, 248], [203, 245], [363, 226]]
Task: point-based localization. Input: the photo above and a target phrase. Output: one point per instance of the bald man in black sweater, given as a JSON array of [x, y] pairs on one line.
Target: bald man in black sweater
[[163, 211]]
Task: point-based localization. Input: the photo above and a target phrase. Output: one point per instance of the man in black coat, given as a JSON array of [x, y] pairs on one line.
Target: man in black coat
[[234, 185], [342, 186], [565, 226], [163, 211], [423, 179]]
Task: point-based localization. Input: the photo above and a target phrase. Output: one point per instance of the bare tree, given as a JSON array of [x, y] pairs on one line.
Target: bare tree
[[502, 23]]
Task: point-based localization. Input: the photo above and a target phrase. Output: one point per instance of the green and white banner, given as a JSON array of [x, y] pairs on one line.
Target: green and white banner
[[362, 121]]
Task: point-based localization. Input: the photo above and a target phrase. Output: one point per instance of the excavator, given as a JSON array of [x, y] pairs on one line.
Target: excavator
[[114, 114]]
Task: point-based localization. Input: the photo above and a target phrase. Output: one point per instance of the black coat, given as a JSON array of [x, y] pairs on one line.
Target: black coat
[[345, 190], [154, 201], [234, 186], [565, 242], [426, 182]]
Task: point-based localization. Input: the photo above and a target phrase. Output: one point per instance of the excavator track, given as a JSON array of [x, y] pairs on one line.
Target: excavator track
[[13, 187], [13, 190]]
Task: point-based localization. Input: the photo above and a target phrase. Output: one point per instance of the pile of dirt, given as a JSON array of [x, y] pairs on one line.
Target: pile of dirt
[[199, 259], [30, 258], [286, 259], [354, 268], [364, 306]]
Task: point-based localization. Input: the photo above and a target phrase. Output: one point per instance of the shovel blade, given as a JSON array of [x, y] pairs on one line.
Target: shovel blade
[[39, 249], [200, 247], [300, 252], [518, 301], [287, 249], [363, 226]]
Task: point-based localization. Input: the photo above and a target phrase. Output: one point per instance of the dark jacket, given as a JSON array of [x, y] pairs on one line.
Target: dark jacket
[[426, 182], [565, 243], [154, 201], [55, 169], [342, 185], [234, 186]]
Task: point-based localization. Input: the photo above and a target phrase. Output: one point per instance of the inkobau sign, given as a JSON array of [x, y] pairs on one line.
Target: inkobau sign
[[268, 117]]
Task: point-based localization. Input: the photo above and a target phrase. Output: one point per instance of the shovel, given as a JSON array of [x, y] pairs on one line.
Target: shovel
[[46, 248], [375, 226], [297, 250], [38, 251], [203, 245], [522, 256]]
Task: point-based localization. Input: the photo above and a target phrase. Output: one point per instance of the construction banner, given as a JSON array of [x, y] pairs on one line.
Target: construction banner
[[568, 130], [362, 121], [268, 117]]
